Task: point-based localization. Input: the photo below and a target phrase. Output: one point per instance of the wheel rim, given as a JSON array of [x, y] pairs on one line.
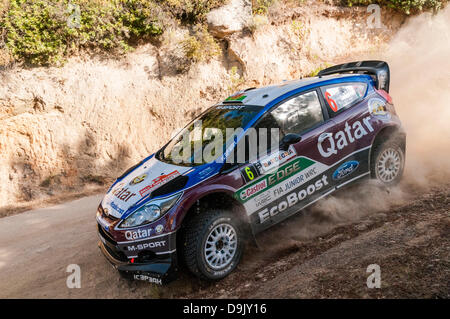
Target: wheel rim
[[220, 246], [389, 165]]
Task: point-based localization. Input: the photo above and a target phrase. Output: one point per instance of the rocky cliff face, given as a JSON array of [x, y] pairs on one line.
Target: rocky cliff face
[[64, 128]]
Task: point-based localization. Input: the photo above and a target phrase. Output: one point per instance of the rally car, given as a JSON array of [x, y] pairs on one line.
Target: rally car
[[206, 192]]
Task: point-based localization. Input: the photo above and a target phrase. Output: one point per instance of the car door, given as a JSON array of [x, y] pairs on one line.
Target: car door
[[280, 183], [345, 147]]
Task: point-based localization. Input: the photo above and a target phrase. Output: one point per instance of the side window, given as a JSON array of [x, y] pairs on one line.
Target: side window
[[298, 114], [268, 122], [342, 96]]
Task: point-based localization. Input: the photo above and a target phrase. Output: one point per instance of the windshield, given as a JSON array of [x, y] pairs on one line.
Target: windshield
[[206, 137]]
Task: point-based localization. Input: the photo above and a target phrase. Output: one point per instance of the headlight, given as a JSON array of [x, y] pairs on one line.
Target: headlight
[[150, 212]]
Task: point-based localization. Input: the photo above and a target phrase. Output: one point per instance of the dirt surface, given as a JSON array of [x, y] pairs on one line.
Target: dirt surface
[[54, 200], [309, 256]]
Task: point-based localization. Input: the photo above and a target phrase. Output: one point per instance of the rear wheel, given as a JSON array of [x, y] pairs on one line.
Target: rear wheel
[[388, 162], [213, 244]]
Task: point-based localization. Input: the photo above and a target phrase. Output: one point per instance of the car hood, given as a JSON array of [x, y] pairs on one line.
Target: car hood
[[137, 185]]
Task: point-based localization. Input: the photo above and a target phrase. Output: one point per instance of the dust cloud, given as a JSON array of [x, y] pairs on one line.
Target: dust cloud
[[420, 76], [419, 58]]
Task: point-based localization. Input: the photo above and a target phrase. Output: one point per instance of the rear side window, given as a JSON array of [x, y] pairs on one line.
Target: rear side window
[[342, 96]]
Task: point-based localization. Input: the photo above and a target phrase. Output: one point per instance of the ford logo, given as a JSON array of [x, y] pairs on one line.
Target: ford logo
[[345, 169]]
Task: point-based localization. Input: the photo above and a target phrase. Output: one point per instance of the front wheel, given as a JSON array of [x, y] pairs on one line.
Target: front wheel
[[213, 244], [388, 162]]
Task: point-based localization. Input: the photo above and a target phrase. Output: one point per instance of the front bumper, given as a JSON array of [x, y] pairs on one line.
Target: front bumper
[[158, 268]]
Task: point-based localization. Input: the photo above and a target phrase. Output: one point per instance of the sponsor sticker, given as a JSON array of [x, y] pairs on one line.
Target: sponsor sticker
[[123, 193], [153, 244], [117, 208], [269, 180], [274, 160], [253, 190], [150, 279], [159, 228], [159, 181], [263, 199], [230, 107], [206, 172], [138, 179], [377, 108], [138, 234], [340, 97], [332, 144], [236, 97], [292, 199], [284, 185], [345, 169]]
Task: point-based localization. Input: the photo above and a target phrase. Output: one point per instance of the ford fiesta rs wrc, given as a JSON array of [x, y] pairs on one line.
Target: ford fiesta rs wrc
[[207, 191]]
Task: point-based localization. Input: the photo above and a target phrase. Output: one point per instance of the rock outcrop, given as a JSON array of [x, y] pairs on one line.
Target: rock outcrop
[[232, 17]]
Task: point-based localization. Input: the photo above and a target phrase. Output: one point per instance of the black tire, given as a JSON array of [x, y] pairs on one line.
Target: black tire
[[198, 230], [392, 174]]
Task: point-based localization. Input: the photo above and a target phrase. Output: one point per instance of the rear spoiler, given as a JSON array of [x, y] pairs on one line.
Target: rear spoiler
[[377, 69]]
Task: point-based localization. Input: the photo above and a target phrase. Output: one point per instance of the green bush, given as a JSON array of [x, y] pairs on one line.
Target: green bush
[[44, 32], [406, 6], [201, 46]]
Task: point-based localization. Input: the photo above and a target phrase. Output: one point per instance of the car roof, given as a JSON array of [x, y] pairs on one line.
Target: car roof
[[264, 95]]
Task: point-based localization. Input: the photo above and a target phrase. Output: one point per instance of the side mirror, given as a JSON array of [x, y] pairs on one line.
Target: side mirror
[[289, 139]]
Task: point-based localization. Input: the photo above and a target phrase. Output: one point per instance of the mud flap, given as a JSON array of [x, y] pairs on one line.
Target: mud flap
[[160, 271]]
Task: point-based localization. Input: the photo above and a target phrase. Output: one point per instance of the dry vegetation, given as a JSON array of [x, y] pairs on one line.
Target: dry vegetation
[[46, 32]]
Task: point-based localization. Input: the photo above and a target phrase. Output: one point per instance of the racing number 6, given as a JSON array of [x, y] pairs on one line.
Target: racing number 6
[[331, 102], [249, 173]]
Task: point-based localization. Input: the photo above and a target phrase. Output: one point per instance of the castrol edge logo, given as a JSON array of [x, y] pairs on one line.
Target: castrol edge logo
[[268, 181], [254, 189]]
